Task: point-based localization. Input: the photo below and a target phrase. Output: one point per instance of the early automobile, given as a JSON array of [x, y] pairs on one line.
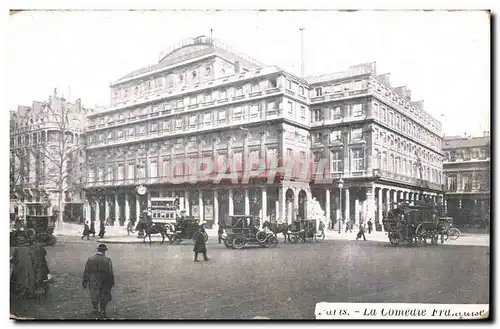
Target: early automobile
[[241, 231]]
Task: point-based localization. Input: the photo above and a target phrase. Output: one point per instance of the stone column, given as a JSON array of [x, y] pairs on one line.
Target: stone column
[[127, 208], [388, 199], [106, 207], [347, 209], [282, 203], [97, 210], [295, 203], [187, 205], [380, 215], [88, 212], [264, 206], [201, 207], [216, 208], [137, 206], [327, 207], [370, 204], [231, 202], [247, 202], [117, 211]]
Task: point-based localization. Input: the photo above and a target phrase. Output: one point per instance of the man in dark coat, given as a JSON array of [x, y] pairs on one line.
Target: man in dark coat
[[92, 228], [361, 232], [199, 246], [40, 266], [102, 229], [220, 232], [86, 230], [370, 226], [99, 278]]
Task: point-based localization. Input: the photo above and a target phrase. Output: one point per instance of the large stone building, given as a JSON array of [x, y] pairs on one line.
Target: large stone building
[[467, 169], [204, 100], [37, 153]]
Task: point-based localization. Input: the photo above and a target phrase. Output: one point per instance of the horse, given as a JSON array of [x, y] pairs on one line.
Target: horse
[[150, 228], [277, 228]]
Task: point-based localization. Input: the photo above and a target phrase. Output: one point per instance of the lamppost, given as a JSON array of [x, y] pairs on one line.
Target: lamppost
[[340, 184]]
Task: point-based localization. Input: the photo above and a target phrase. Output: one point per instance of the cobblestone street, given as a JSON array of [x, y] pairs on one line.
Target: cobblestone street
[[161, 281]]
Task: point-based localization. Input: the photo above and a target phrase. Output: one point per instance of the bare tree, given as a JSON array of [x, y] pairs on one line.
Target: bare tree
[[57, 154]]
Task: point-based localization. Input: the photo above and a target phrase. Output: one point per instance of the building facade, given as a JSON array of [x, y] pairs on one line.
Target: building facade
[[467, 169], [204, 100], [42, 161]]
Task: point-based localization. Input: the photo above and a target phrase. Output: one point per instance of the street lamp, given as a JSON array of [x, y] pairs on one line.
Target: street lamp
[[340, 184]]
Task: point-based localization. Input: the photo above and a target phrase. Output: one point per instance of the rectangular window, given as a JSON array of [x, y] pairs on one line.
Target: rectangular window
[[119, 134], [142, 130], [357, 159], [180, 103], [110, 135], [131, 131], [289, 154], [222, 94], [156, 108], [239, 91], [318, 115], [467, 182], [109, 174], [207, 118], [208, 97], [318, 92], [288, 84], [192, 121], [273, 84], [384, 114], [391, 119], [302, 111], [452, 183], [336, 161], [301, 90], [91, 175], [397, 122], [237, 113], [120, 172], [179, 123], [154, 127], [271, 106], [335, 136], [166, 106], [255, 87], [222, 115], [254, 110], [153, 169], [165, 167], [336, 113], [289, 107], [357, 110], [193, 101], [357, 134], [166, 125]]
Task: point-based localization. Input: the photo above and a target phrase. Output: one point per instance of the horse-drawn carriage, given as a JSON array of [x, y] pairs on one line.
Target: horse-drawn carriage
[[305, 231], [241, 231], [419, 223], [185, 228], [41, 227]]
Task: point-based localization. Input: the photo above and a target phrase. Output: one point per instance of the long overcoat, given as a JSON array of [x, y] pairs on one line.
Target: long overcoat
[[99, 278], [40, 265], [199, 244]]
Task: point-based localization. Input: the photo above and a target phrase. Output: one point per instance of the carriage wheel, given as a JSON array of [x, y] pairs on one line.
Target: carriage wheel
[[454, 233], [261, 237], [394, 238], [319, 237], [51, 240], [239, 242], [272, 241], [293, 238]]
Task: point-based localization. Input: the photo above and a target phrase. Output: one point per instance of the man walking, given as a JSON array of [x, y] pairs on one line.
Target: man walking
[[348, 226], [361, 232], [199, 246], [102, 229], [370, 226], [220, 231], [99, 278], [86, 230]]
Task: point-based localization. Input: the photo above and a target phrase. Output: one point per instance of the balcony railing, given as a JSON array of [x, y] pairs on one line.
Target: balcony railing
[[407, 179]]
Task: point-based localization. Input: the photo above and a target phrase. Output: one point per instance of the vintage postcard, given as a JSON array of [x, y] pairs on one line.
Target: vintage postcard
[[249, 164]]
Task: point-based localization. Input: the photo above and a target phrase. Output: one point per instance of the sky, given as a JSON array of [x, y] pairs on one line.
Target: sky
[[443, 57]]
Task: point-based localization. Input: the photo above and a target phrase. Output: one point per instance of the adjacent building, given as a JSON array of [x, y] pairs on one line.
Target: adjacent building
[[204, 100], [467, 170], [47, 156]]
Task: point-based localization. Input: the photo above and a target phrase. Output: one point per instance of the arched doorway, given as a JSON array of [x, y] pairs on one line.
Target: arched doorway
[[302, 204], [223, 197], [239, 202], [289, 206]]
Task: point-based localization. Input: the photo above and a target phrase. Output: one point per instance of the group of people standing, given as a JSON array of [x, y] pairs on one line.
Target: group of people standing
[[362, 228], [89, 228]]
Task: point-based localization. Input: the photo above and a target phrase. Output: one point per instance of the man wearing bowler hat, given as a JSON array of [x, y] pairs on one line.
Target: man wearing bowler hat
[[99, 278]]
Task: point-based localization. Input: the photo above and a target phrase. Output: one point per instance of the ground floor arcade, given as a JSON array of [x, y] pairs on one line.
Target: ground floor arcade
[[469, 209], [280, 202]]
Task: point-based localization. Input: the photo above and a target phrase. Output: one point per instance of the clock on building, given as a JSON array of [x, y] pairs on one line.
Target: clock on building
[[141, 189]]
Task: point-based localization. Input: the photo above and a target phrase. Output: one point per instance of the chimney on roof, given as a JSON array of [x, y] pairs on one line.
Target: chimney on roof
[[486, 133]]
